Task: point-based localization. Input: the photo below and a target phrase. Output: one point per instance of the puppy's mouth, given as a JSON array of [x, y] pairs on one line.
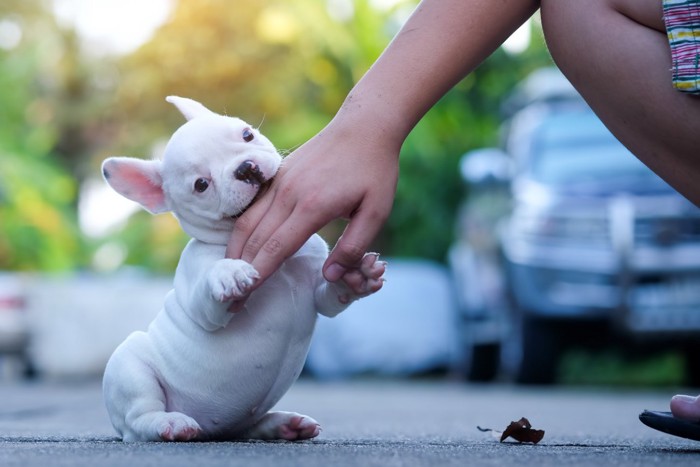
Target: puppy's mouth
[[249, 172]]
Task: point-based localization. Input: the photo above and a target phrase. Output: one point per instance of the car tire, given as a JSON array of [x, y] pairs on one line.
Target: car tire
[[540, 346], [483, 362], [692, 365]]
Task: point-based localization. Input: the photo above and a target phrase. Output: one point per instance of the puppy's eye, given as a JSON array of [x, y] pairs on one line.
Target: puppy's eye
[[248, 135], [201, 185]]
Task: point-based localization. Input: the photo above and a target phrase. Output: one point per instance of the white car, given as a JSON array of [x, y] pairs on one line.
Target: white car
[[14, 328]]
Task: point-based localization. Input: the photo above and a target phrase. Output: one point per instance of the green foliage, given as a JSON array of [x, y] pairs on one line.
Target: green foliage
[[287, 64], [430, 188], [37, 222], [291, 64], [152, 242], [614, 368]]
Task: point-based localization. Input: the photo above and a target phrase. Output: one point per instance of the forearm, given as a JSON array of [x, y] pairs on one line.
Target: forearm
[[350, 169], [442, 42]]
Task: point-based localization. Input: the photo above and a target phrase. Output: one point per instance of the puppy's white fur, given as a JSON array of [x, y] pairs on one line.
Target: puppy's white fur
[[200, 371]]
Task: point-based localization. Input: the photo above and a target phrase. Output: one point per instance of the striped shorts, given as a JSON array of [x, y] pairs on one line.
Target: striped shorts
[[682, 19]]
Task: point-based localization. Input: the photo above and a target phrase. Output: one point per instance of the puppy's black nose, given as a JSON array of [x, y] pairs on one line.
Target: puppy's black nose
[[249, 172]]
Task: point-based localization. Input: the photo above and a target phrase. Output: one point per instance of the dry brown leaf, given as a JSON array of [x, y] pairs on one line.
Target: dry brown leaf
[[520, 431]]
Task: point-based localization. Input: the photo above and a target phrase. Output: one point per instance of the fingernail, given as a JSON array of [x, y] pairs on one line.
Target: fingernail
[[334, 272]]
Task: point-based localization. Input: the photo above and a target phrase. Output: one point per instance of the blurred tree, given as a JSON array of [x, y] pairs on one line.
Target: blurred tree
[[285, 65], [430, 186], [290, 64], [37, 195], [268, 60]]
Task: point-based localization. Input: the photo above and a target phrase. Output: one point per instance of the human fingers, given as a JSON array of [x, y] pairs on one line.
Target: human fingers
[[246, 226], [352, 245], [283, 241], [273, 251]]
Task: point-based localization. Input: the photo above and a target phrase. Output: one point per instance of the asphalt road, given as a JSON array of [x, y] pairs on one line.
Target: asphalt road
[[365, 423]]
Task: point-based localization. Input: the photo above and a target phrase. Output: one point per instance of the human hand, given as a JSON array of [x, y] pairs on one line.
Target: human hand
[[343, 172]]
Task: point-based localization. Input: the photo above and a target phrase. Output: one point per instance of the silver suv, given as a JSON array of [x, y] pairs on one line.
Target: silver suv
[[567, 238]]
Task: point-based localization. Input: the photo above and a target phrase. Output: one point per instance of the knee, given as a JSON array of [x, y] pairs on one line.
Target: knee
[[579, 32], [565, 24], [573, 30], [568, 12]]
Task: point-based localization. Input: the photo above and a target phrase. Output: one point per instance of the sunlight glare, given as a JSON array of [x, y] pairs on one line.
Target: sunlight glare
[[102, 211], [519, 41], [113, 26]]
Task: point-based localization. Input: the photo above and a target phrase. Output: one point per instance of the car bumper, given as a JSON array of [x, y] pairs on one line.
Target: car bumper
[[642, 301]]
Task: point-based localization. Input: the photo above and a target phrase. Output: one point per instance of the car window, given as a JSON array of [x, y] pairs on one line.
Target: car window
[[574, 147]]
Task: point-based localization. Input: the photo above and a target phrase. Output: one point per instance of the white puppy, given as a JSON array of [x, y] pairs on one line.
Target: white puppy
[[201, 371]]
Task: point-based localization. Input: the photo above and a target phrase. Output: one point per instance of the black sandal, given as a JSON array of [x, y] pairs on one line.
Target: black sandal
[[666, 422]]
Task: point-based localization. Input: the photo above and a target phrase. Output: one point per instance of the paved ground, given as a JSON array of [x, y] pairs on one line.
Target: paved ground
[[365, 423]]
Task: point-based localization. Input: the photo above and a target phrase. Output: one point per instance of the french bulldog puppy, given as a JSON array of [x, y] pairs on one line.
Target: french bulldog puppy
[[200, 371]]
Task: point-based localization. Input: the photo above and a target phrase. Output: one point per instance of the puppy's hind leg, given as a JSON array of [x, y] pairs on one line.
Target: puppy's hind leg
[[284, 425], [137, 404]]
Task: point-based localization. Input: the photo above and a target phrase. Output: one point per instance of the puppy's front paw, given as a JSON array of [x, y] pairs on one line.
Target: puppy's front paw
[[364, 280], [231, 279]]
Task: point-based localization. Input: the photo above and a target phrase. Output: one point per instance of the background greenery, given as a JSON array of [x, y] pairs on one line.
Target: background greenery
[[287, 64]]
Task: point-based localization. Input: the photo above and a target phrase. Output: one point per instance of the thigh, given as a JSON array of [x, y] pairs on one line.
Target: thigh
[[617, 55], [647, 13]]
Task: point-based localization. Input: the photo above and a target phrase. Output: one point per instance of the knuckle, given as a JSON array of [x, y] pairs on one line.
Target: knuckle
[[311, 204], [352, 253], [378, 215], [272, 247], [244, 226], [251, 248]]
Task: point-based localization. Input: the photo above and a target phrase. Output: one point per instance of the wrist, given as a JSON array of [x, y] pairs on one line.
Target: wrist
[[371, 120]]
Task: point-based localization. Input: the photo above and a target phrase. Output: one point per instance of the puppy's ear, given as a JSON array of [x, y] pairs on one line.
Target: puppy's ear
[[188, 107], [138, 180]]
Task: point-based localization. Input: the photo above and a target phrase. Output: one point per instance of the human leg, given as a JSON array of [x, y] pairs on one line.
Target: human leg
[[617, 55]]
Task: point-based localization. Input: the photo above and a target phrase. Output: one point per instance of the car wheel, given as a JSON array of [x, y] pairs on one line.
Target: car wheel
[[483, 362], [533, 349], [692, 365]]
